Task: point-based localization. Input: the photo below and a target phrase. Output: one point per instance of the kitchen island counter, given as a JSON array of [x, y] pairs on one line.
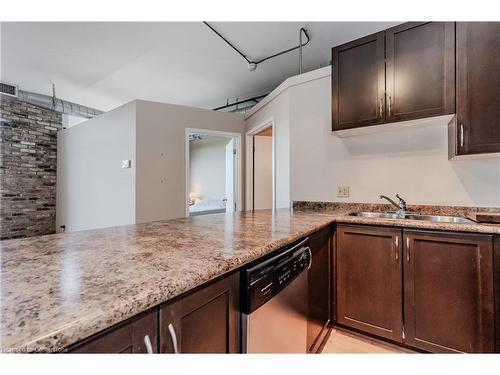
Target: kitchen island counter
[[58, 289]]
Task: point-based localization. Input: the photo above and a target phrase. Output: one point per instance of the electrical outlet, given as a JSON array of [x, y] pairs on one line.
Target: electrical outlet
[[342, 191]]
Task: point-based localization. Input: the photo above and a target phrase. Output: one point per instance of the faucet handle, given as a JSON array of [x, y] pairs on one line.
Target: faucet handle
[[402, 202]]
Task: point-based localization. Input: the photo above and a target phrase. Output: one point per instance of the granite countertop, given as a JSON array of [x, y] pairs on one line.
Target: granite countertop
[[58, 289]]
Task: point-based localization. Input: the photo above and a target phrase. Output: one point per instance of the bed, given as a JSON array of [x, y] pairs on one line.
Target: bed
[[207, 206]]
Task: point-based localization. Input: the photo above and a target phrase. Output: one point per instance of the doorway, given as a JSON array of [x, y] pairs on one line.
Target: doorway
[[260, 142], [212, 172]]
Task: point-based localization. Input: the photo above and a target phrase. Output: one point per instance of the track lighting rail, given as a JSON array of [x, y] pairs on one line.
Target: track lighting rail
[[252, 64]]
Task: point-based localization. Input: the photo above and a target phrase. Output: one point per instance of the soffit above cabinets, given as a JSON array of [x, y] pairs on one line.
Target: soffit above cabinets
[[396, 126]]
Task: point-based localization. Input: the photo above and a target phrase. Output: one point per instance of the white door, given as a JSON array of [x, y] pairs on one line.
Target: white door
[[230, 166], [263, 172]]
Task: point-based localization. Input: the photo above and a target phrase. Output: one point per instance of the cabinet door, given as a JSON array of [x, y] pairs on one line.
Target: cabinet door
[[496, 289], [478, 87], [358, 83], [448, 292], [318, 289], [127, 337], [205, 321], [369, 280], [420, 75]]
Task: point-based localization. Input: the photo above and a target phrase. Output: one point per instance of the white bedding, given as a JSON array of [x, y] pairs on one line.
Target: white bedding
[[208, 205]]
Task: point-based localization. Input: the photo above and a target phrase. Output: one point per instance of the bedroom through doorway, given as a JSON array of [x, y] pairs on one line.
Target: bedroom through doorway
[[212, 172]]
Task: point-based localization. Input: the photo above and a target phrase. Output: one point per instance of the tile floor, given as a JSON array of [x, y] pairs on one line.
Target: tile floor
[[345, 342]]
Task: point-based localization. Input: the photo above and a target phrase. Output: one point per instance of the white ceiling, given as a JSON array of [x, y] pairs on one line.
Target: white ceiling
[[104, 65]]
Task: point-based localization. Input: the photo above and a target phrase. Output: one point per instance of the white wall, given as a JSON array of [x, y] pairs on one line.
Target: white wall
[[411, 161], [263, 172], [160, 178], [207, 160], [69, 121], [93, 191], [277, 110]]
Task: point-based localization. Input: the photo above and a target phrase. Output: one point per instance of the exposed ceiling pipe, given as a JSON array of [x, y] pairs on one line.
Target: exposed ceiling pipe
[[49, 102], [58, 105]]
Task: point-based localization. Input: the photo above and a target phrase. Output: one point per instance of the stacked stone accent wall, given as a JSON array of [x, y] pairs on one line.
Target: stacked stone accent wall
[[28, 167]]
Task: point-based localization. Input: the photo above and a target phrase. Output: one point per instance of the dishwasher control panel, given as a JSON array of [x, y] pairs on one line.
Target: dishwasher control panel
[[266, 279]]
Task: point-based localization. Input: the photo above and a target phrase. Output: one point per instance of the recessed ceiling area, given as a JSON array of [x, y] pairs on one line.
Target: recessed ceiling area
[[106, 64]]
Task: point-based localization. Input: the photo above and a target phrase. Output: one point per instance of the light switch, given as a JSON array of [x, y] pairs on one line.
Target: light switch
[[343, 191], [126, 164]]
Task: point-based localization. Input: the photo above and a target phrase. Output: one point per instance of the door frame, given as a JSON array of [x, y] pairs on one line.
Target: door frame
[[237, 173], [269, 122]]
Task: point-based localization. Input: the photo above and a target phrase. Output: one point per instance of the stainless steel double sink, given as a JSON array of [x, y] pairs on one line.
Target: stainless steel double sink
[[414, 216]]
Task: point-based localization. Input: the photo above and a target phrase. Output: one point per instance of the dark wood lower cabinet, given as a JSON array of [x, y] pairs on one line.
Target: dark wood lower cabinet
[[369, 288], [127, 337], [496, 287], [448, 292], [319, 289], [440, 285], [205, 321]]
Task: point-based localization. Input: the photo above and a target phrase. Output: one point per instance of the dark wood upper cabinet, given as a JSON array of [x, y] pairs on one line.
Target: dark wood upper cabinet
[[478, 88], [400, 74], [420, 70], [319, 289], [369, 274], [448, 292], [205, 321], [358, 83], [127, 337]]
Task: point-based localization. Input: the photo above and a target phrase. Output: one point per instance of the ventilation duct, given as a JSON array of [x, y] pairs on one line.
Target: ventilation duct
[[50, 102], [9, 90]]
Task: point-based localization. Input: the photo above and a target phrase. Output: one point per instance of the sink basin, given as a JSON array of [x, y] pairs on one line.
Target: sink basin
[[441, 219], [412, 216], [376, 215]]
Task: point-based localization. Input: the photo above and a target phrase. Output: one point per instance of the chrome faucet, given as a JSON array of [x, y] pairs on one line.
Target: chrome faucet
[[402, 208]]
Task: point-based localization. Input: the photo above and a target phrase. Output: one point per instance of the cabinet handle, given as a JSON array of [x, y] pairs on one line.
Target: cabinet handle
[[408, 249], [461, 135], [389, 106], [310, 258], [149, 347], [381, 109], [396, 255], [173, 337]]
